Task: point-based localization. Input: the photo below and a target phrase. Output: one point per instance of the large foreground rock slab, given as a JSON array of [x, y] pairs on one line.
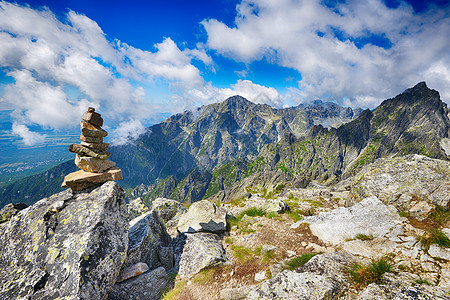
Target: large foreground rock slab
[[202, 250], [68, 246], [203, 216], [369, 217]]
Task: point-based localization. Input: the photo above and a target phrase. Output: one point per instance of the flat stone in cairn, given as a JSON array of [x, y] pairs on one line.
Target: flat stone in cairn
[[90, 139], [87, 151], [92, 164], [80, 180], [99, 146], [88, 129]]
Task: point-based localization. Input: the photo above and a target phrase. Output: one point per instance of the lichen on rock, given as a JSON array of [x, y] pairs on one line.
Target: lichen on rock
[[73, 252]]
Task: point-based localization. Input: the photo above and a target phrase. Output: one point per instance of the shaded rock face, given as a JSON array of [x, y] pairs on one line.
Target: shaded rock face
[[70, 246], [147, 235]]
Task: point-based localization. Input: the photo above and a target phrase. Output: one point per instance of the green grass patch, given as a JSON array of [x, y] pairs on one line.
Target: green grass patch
[[296, 215], [229, 240], [243, 254], [422, 281], [268, 256], [403, 214], [253, 212], [205, 276], [173, 293], [314, 203], [434, 236], [362, 275], [364, 237], [440, 216], [237, 202], [298, 261]]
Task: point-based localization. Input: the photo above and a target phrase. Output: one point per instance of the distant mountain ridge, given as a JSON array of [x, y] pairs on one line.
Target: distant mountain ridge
[[215, 134], [201, 153]]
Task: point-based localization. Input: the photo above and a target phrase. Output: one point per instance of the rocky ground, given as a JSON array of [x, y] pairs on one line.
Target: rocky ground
[[382, 234]]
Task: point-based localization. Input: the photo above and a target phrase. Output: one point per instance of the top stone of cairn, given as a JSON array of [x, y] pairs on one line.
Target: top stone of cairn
[[92, 117]]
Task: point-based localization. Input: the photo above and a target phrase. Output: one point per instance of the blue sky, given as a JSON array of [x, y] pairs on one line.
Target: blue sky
[[137, 61]]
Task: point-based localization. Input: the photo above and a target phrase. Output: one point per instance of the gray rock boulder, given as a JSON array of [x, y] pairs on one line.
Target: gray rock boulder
[[322, 277], [201, 250], [148, 286], [67, 246], [369, 217], [203, 216], [147, 235], [275, 205], [292, 285], [388, 178]]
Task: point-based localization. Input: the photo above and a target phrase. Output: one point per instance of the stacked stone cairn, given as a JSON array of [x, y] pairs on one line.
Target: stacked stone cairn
[[92, 157]]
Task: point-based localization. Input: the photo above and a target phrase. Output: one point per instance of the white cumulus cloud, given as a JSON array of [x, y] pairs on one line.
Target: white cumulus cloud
[[321, 42], [46, 55]]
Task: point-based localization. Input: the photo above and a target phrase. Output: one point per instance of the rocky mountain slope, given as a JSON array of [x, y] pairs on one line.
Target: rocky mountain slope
[[414, 122], [368, 237], [186, 147], [215, 134]]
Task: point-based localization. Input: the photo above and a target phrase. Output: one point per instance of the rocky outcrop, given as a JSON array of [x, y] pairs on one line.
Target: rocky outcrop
[[10, 210], [203, 216], [136, 208], [398, 180], [201, 250], [369, 217], [69, 246], [323, 277]]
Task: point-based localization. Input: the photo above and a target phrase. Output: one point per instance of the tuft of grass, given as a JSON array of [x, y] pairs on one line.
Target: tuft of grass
[[362, 275], [173, 293], [252, 212], [422, 281], [205, 276], [434, 236], [295, 215], [364, 237], [280, 187], [440, 216], [229, 240], [298, 261], [243, 254], [268, 256]]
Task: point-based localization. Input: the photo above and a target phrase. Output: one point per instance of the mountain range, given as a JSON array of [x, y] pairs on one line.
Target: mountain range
[[231, 148]]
